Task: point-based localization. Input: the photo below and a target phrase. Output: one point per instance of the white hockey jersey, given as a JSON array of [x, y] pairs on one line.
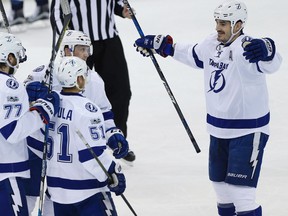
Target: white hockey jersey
[[235, 90], [16, 123], [94, 90], [72, 172]]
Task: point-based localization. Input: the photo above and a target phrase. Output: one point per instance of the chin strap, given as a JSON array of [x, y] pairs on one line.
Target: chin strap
[[232, 35], [12, 69]]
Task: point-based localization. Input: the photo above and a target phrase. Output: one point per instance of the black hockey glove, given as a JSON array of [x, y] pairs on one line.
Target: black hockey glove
[[117, 142], [163, 45], [118, 184], [36, 90], [259, 50]]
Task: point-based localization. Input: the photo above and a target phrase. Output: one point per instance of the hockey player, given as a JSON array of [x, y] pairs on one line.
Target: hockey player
[[75, 180], [15, 116], [108, 57], [74, 43], [235, 67]]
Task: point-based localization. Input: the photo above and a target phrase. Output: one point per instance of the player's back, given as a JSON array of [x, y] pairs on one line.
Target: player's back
[[14, 103], [73, 174]]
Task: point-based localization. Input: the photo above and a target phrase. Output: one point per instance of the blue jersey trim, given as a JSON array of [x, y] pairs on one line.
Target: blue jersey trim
[[196, 59], [238, 123], [108, 115], [14, 167], [74, 184], [8, 129], [4, 73], [258, 68], [35, 144], [85, 155]]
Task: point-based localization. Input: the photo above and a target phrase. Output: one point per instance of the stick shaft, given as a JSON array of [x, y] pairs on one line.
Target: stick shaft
[[103, 168], [55, 48], [165, 83], [4, 16]]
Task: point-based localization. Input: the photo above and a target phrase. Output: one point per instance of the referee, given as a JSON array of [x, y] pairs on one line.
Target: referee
[[96, 18]]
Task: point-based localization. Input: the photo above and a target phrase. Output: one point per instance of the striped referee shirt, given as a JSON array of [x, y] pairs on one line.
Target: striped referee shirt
[[93, 17]]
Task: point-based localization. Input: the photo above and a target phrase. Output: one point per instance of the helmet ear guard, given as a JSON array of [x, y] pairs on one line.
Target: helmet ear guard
[[232, 11]]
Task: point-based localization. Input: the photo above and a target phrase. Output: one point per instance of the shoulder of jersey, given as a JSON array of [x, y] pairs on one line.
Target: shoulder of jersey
[[84, 105], [10, 82], [40, 69], [95, 78]]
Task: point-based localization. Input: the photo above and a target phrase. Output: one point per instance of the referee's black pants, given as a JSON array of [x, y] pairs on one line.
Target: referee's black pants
[[109, 61]]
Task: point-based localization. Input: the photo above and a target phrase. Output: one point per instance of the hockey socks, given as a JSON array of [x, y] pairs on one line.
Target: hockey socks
[[226, 209], [256, 212]]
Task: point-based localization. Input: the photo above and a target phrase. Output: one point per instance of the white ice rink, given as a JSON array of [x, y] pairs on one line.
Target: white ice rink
[[168, 177]]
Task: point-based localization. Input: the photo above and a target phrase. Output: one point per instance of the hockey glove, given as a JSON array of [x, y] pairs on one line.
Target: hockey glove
[[163, 45], [117, 142], [118, 184], [259, 50], [47, 107], [36, 90]]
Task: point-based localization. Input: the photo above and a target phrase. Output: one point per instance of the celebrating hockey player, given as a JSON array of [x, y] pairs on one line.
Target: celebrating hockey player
[[235, 67], [75, 180], [15, 118], [74, 43]]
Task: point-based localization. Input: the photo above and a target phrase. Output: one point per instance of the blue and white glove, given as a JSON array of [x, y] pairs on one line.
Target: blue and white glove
[[163, 45], [259, 50], [117, 142], [47, 107], [118, 185], [36, 90]]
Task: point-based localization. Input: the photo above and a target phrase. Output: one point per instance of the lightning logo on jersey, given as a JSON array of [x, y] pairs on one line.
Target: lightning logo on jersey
[[217, 81]]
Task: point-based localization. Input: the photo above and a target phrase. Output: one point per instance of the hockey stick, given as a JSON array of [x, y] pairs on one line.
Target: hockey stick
[[103, 168], [4, 16], [173, 99], [67, 17]]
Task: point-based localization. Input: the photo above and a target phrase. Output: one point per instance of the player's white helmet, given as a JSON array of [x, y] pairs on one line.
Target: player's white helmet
[[73, 38], [70, 69], [10, 44], [233, 11]]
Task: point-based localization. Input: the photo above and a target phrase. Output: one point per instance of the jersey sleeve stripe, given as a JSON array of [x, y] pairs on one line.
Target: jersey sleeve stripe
[[85, 155]]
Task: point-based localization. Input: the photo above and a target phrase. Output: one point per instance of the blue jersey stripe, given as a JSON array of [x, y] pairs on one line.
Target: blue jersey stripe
[[196, 59], [8, 129], [108, 115], [14, 167], [74, 184], [35, 144], [238, 123], [85, 155]]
